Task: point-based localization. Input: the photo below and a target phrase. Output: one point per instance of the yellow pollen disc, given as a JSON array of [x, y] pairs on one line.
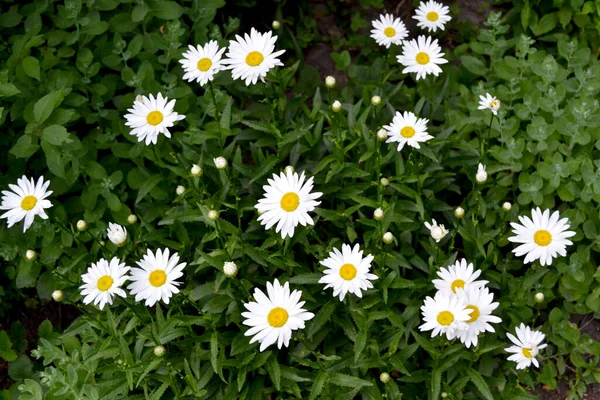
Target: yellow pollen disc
[[493, 103], [389, 32], [154, 118], [542, 237], [254, 58], [204, 64], [445, 318], [277, 317], [474, 314], [104, 283], [459, 283], [348, 272], [422, 58], [290, 201], [432, 16], [407, 132], [157, 278], [527, 352], [28, 202]]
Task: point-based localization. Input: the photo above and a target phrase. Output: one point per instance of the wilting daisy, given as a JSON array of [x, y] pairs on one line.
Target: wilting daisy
[[287, 202], [432, 16], [388, 30], [151, 116], [347, 271], [422, 56], [202, 63], [26, 200], [480, 301], [117, 234], [407, 129], [543, 237], [444, 315], [273, 318], [156, 277], [458, 276], [488, 102], [436, 231], [526, 346], [103, 281], [251, 57]]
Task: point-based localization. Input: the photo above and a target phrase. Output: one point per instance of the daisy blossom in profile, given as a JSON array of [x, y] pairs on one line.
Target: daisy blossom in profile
[[480, 301], [347, 271], [287, 202], [388, 30], [407, 129], [527, 345], [436, 231], [26, 200], [489, 102], [252, 56], [422, 56], [103, 281], [272, 318], [156, 277], [543, 237], [444, 315], [432, 16], [201, 63], [117, 234], [458, 276], [151, 116]]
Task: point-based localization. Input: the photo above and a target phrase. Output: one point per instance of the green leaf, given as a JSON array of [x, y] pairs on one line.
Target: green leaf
[[214, 351], [166, 10], [30, 390], [348, 381], [322, 317], [147, 186], [139, 12], [95, 28], [31, 66], [44, 106], [8, 89], [266, 166], [481, 385], [56, 134], [24, 148], [6, 351], [53, 159], [318, 384], [274, 371], [21, 368], [473, 65]]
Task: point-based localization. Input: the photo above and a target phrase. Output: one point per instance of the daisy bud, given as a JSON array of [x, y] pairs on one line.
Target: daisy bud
[[159, 351], [382, 135], [436, 231], [180, 190], [196, 171], [336, 106], [539, 297], [213, 215], [139, 98], [459, 212], [506, 206], [30, 255], [230, 269], [388, 238], [444, 395], [276, 25], [57, 295], [384, 377], [116, 234], [289, 170], [81, 225], [330, 81], [481, 175], [376, 100], [384, 181], [220, 162], [378, 214], [102, 243], [132, 219]]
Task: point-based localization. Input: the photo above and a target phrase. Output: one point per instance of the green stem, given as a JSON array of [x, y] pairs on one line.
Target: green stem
[[482, 140], [217, 113]]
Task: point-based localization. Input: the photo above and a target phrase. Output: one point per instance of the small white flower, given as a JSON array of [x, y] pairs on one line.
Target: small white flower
[[150, 117], [159, 351], [81, 225], [201, 63], [388, 30], [388, 238], [220, 162], [480, 301], [490, 103], [180, 190], [382, 135], [132, 219], [436, 231], [384, 181], [444, 315], [26, 200], [57, 295], [30, 255], [276, 25], [539, 297], [459, 212], [481, 175], [103, 281], [506, 206], [336, 106], [375, 100], [384, 377], [117, 234], [230, 269], [378, 214], [213, 215], [196, 171], [526, 347], [458, 276], [330, 82], [432, 16], [422, 56], [407, 129]]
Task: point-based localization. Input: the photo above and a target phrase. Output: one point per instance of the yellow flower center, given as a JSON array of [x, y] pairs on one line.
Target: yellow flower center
[[527, 352], [407, 132], [542, 237], [104, 283], [157, 278], [389, 32], [459, 283], [445, 318], [154, 117], [348, 272], [28, 202], [432, 16], [277, 317], [204, 64], [254, 58], [289, 202], [422, 58], [493, 103], [474, 314]]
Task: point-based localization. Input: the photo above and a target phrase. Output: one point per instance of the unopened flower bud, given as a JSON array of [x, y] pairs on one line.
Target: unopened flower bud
[[196, 171], [116, 234], [57, 295], [81, 225], [388, 238], [180, 190], [132, 219], [213, 215], [276, 25], [30, 255], [376, 100], [506, 206], [481, 175], [159, 351], [336, 106], [230, 269], [289, 170], [330, 81], [459, 212], [384, 181], [384, 377], [382, 135], [539, 297], [378, 214], [444, 395], [220, 162]]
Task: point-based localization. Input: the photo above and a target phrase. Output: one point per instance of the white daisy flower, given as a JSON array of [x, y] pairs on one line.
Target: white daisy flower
[[489, 102], [156, 277], [151, 116], [287, 202], [251, 57], [527, 345], [444, 315], [117, 234], [388, 30], [458, 276], [273, 318], [422, 56], [543, 238], [347, 271], [436, 231], [202, 63], [26, 200], [103, 281], [407, 129], [480, 301], [432, 16]]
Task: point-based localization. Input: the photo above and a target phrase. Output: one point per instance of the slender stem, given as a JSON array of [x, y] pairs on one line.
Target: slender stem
[[217, 113], [482, 140]]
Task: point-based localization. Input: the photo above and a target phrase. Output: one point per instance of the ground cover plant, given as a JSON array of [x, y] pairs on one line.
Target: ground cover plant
[[219, 219]]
